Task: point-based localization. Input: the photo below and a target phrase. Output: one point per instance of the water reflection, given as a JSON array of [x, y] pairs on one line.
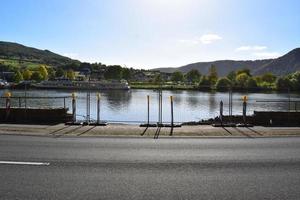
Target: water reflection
[[212, 103], [117, 99], [132, 105]]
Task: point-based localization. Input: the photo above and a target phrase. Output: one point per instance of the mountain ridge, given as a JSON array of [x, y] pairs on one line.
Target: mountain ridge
[[280, 66]]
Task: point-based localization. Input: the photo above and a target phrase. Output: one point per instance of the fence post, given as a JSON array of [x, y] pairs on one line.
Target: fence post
[[74, 107], [148, 110], [221, 112], [7, 105], [244, 109], [64, 102], [98, 108], [172, 113]]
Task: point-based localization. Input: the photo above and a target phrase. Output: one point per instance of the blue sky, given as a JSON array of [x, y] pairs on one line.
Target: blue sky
[[154, 33]]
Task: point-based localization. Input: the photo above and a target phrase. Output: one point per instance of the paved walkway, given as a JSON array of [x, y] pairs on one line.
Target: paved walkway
[[61, 130]]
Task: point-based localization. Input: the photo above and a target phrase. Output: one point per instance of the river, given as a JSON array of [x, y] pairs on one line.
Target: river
[[131, 106]]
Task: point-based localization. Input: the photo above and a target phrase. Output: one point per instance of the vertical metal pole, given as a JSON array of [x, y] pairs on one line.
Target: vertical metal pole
[[289, 106], [25, 96], [74, 107], [98, 108], [161, 108], [230, 105], [20, 102], [221, 112], [148, 110], [172, 114], [64, 102], [25, 110], [88, 98], [289, 99], [244, 111]]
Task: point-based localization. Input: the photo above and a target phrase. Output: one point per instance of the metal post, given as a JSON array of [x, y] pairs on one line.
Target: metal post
[[20, 102], [172, 114], [25, 97], [244, 112], [74, 107], [289, 106], [289, 99], [64, 102], [25, 102], [148, 110], [230, 105], [159, 107], [245, 109], [88, 103], [98, 108], [221, 112]]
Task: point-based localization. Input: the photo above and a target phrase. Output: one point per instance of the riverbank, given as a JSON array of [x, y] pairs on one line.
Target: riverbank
[[122, 130]]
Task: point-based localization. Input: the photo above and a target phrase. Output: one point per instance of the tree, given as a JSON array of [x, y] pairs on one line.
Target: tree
[[241, 80], [70, 74], [244, 71], [231, 76], [223, 83], [27, 74], [43, 71], [251, 83], [283, 83], [126, 74], [51, 73], [295, 80], [113, 72], [204, 82], [177, 76], [18, 76], [158, 79], [59, 72], [37, 76], [212, 75], [268, 78], [193, 76]]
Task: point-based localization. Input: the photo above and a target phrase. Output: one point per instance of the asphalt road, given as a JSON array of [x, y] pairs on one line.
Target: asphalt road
[[136, 168]]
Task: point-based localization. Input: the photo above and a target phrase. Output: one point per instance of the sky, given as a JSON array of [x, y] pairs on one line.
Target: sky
[[154, 33]]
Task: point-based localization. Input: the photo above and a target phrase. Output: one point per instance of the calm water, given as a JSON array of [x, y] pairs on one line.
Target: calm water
[[131, 106]]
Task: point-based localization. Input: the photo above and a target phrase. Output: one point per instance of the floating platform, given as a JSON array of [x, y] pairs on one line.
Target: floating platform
[[161, 125], [84, 123]]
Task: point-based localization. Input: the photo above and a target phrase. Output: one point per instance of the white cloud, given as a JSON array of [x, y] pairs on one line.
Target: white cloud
[[210, 38], [204, 39], [266, 55], [252, 48]]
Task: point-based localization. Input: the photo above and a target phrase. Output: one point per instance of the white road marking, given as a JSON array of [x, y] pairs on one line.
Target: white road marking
[[23, 163]]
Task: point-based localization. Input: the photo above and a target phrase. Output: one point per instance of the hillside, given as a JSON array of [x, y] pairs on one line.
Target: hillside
[[13, 52], [281, 66]]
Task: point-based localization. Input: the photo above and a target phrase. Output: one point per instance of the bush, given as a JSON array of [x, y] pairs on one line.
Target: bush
[[223, 84]]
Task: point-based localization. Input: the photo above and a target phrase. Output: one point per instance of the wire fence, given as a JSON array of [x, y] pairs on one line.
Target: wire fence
[[132, 107]]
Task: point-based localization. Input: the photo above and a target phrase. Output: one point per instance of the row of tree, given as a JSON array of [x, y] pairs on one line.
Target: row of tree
[[42, 73], [241, 79], [49, 73]]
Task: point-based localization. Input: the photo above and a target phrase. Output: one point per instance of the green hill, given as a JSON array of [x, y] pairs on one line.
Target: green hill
[[16, 55]]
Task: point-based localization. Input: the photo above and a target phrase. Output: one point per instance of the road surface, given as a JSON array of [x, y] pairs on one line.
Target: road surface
[[143, 168]]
